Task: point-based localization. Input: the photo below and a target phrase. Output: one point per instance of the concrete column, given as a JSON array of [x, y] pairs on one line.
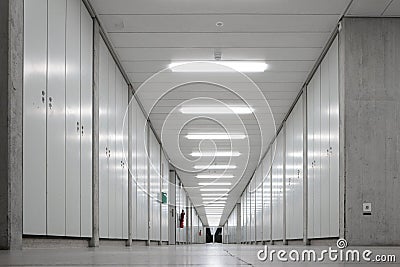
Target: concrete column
[[94, 242], [370, 122], [11, 105], [130, 168]]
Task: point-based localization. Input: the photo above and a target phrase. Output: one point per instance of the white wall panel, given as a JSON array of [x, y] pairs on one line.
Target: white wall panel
[[298, 166], [334, 138], [133, 164], [119, 177], [155, 186], [34, 117], [164, 212], [277, 190], [289, 177], [266, 173], [103, 141], [73, 120], [310, 155], [112, 160], [86, 121], [56, 118], [142, 224], [258, 202], [125, 123], [324, 149]]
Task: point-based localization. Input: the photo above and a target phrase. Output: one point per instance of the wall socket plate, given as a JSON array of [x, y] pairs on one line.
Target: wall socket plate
[[367, 208]]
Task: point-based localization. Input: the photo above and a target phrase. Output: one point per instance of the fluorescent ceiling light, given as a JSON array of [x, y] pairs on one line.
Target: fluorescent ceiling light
[[218, 66], [214, 176], [215, 198], [205, 184], [217, 110], [212, 195], [214, 167], [216, 154], [214, 189], [215, 136]]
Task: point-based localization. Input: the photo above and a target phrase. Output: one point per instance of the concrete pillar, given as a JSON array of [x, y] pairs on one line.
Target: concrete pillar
[[370, 123], [94, 242], [11, 77]]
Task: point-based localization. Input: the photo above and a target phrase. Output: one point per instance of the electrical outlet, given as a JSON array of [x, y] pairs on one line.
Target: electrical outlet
[[367, 208]]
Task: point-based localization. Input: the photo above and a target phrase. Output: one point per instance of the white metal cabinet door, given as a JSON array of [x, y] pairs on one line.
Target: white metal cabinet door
[[133, 164], [266, 197], [298, 162], [124, 159], [86, 121], [289, 176], [103, 141], [310, 155], [324, 154], [317, 153], [334, 138], [112, 161], [118, 155], [34, 117], [73, 120], [56, 118]]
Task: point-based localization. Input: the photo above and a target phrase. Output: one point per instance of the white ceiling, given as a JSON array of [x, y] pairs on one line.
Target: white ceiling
[[289, 35]]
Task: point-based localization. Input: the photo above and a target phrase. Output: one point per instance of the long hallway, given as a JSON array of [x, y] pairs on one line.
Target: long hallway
[[141, 132]]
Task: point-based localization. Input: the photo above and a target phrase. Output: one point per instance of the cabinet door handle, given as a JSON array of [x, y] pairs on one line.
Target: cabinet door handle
[[82, 130], [77, 126], [50, 102]]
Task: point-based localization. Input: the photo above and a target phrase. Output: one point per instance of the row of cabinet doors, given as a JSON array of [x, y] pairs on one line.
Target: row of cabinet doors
[[57, 128], [113, 148]]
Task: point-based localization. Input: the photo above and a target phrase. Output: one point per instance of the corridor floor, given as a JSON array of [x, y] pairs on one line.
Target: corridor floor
[[191, 255]]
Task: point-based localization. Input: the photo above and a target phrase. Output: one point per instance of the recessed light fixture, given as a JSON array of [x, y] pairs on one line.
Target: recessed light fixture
[[216, 154], [217, 110], [215, 198], [214, 176], [214, 167], [214, 189], [218, 66], [206, 184], [215, 136]]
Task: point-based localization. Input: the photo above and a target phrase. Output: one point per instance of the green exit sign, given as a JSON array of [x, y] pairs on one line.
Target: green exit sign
[[164, 198]]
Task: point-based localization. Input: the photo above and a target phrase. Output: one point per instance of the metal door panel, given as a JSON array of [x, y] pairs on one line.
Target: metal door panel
[[86, 121], [56, 118], [73, 120], [103, 141], [34, 117]]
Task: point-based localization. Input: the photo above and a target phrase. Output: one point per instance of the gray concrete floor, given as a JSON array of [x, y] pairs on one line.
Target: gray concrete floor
[[191, 255]]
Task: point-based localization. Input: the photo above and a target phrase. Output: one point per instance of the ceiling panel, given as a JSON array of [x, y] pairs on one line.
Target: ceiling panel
[[368, 7], [201, 54], [227, 6], [207, 23], [393, 9], [222, 40]]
